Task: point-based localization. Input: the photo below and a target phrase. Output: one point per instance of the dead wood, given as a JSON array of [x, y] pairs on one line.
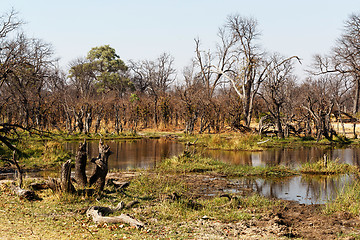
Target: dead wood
[[53, 184], [18, 190], [117, 184], [80, 165], [97, 214], [39, 186], [131, 204], [18, 169], [65, 183], [101, 169], [23, 193]]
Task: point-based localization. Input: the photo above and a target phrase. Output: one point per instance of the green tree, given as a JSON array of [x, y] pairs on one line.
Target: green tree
[[110, 71], [103, 69]]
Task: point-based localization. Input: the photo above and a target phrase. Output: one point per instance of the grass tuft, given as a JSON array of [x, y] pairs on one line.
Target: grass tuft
[[328, 168], [347, 201]]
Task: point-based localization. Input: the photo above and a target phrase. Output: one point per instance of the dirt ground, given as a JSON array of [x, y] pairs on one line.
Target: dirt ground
[[291, 220]]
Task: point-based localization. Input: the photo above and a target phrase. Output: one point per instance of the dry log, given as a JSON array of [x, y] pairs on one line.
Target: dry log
[[80, 165], [117, 184], [23, 193], [39, 186], [123, 218]]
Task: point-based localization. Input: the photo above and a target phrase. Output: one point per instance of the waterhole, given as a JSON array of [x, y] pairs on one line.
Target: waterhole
[[146, 153]]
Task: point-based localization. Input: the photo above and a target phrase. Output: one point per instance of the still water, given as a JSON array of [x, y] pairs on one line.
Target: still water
[[146, 153], [128, 154]]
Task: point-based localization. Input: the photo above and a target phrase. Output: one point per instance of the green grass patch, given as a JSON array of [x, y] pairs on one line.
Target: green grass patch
[[225, 141], [199, 164], [348, 200], [328, 168], [255, 142]]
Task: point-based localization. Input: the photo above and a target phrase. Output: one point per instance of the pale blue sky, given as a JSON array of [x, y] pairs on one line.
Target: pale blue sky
[[143, 29]]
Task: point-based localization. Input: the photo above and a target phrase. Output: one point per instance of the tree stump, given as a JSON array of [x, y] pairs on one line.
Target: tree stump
[[80, 165], [66, 185], [101, 169]]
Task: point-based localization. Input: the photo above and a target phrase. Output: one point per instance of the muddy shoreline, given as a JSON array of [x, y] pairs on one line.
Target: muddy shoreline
[[289, 220]]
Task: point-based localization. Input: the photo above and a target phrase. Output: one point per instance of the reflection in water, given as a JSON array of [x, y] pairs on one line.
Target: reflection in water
[[142, 153], [286, 157], [146, 153], [312, 190]]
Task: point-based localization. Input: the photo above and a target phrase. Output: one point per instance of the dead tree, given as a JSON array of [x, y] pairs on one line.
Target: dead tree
[[65, 184], [101, 169], [79, 119], [18, 190], [80, 165]]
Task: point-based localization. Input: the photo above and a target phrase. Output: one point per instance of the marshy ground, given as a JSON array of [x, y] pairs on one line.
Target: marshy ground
[[173, 206], [184, 197]]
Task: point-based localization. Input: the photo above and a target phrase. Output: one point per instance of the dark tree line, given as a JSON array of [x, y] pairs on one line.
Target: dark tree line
[[236, 86]]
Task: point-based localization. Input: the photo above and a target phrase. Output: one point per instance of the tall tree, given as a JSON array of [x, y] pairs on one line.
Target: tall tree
[[276, 88], [26, 65], [344, 59], [102, 69], [154, 77]]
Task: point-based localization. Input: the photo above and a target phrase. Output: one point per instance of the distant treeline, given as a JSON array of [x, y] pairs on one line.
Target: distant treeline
[[237, 86]]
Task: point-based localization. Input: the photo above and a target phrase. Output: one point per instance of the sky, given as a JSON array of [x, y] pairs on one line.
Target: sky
[[144, 29]]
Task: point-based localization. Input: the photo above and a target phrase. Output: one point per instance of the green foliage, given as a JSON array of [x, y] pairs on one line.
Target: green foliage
[[105, 59], [105, 68], [134, 98]]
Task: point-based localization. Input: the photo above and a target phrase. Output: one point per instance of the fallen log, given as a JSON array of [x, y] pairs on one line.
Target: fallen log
[[97, 212], [23, 193], [39, 186], [53, 184], [117, 184]]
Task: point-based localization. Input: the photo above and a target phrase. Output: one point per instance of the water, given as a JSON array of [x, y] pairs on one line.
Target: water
[[146, 153], [287, 157], [140, 153]]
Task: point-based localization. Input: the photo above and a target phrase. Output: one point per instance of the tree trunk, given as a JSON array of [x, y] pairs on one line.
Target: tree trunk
[[66, 185], [88, 121], [97, 123], [280, 133], [99, 175], [80, 165], [247, 104]]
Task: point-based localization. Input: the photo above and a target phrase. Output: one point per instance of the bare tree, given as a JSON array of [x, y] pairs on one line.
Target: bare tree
[[82, 77], [154, 78], [344, 60], [275, 88], [319, 102]]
